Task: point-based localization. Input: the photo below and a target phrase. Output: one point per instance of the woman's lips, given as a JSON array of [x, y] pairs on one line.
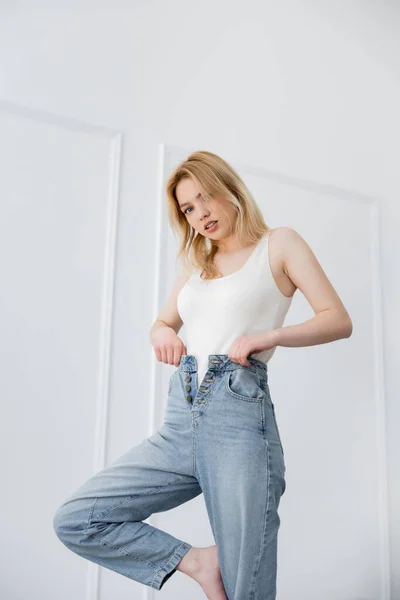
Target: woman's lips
[[213, 227]]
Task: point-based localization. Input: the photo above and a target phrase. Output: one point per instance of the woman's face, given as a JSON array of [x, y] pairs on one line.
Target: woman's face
[[199, 209]]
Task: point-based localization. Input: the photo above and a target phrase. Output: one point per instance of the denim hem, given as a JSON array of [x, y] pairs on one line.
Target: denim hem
[[170, 568]]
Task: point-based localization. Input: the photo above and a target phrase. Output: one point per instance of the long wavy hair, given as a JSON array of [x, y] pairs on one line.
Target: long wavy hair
[[217, 177]]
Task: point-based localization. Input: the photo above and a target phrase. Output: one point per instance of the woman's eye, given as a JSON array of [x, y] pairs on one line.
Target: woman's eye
[[186, 210]]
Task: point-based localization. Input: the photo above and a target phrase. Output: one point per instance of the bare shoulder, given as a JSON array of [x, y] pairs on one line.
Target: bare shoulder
[[184, 271], [285, 241], [303, 269], [291, 249], [285, 233], [280, 240]]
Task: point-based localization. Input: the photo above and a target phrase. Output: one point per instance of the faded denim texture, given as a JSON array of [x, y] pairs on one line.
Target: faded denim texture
[[221, 440]]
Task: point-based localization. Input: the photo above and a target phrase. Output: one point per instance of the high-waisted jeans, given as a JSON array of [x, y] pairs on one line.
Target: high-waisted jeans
[[221, 440]]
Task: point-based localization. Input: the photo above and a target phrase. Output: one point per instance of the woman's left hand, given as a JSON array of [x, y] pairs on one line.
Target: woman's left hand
[[250, 344]]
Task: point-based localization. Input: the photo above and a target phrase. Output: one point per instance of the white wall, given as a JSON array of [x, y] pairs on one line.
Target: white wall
[[307, 91]]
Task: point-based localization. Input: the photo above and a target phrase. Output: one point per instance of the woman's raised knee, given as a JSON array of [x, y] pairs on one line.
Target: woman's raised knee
[[70, 521]]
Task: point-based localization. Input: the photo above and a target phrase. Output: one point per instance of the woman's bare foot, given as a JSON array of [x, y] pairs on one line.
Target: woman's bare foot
[[201, 564]]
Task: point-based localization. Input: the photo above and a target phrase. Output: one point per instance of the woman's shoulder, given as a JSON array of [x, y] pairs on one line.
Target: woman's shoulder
[[186, 271], [283, 230], [282, 237]]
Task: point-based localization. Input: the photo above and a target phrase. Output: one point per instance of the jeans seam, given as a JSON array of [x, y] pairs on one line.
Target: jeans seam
[[170, 382], [170, 560], [121, 551], [113, 507], [262, 542], [277, 429], [193, 446], [125, 501]]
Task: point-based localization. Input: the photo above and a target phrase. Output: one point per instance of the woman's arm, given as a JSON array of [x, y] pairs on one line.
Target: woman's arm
[[169, 315], [331, 321]]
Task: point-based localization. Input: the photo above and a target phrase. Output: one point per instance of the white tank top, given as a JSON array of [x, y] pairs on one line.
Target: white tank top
[[216, 312]]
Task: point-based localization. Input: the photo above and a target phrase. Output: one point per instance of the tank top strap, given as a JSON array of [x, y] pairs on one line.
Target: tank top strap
[[261, 254]]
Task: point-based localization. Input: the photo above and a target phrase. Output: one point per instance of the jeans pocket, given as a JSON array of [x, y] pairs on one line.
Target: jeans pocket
[[244, 384]]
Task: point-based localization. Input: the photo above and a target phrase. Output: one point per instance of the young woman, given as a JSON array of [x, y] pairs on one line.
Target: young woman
[[220, 435]]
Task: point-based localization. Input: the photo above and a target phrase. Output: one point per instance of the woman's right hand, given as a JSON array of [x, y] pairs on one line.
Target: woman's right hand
[[168, 346]]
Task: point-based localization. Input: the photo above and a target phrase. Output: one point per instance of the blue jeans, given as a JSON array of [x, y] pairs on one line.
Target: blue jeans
[[221, 440]]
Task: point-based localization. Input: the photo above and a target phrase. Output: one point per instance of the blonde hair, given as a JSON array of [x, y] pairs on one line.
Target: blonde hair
[[216, 177]]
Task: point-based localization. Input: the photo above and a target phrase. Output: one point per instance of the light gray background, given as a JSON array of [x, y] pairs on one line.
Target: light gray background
[[98, 102]]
